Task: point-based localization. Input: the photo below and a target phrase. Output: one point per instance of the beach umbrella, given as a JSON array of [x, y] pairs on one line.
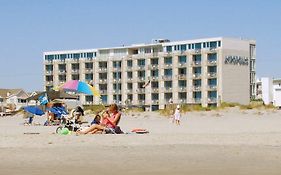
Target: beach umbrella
[[33, 110], [80, 87]]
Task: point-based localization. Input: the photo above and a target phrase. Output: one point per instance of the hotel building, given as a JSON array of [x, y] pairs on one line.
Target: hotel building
[[202, 71]]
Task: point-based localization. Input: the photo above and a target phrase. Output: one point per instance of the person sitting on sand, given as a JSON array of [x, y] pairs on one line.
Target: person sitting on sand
[[96, 120], [110, 120]]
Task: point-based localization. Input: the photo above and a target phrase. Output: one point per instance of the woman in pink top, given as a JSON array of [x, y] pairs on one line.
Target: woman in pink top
[[110, 120]]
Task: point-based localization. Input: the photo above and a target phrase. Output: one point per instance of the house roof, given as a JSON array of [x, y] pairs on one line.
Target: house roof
[[4, 92]]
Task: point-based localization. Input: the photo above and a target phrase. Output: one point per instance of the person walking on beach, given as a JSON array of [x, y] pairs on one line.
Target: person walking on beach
[[177, 115]]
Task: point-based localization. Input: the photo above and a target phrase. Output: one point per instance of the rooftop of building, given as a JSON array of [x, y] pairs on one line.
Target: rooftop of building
[[155, 42]]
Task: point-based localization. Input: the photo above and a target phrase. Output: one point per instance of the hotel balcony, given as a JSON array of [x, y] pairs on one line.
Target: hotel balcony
[[182, 89], [168, 89], [182, 77], [212, 62], [154, 78], [48, 83], [196, 100], [89, 70], [75, 71], [141, 90], [212, 100], [197, 75], [155, 102], [76, 60], [154, 89], [117, 69], [129, 91], [195, 51], [212, 49], [116, 80], [153, 66], [89, 102], [103, 92], [116, 91], [196, 88], [102, 69], [196, 63], [49, 72], [129, 79], [141, 102], [62, 71], [62, 81], [48, 61], [212, 87], [141, 67], [168, 65], [212, 74], [61, 60], [102, 81], [129, 68], [182, 64], [141, 78], [167, 77], [182, 100]]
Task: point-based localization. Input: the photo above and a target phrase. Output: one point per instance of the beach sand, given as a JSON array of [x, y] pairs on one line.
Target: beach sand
[[214, 142]]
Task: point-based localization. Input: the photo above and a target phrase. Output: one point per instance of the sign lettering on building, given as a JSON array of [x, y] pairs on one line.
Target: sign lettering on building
[[236, 60]]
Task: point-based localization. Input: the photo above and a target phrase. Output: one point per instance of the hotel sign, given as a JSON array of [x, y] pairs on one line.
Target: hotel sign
[[236, 60]]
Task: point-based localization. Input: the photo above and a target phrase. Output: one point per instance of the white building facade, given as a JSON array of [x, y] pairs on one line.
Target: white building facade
[[202, 71]]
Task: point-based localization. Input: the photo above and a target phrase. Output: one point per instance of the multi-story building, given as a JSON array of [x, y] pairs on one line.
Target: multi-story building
[[202, 71]]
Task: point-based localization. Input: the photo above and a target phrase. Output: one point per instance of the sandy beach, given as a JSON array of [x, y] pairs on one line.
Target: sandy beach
[[231, 141]]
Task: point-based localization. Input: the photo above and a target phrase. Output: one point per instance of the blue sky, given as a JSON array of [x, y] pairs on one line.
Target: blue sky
[[29, 27]]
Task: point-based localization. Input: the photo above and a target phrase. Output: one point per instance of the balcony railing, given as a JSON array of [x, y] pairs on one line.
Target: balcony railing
[[102, 80], [154, 78], [182, 77], [196, 63], [212, 87], [212, 100], [48, 72], [183, 88], [102, 69], [129, 91], [129, 68], [182, 64], [182, 100], [62, 81], [62, 71], [116, 91], [75, 71], [168, 65], [197, 88], [116, 80], [141, 67], [155, 101], [212, 74], [103, 92], [141, 102], [49, 82], [49, 61], [116, 69], [168, 89], [89, 70], [141, 90], [197, 75], [155, 89], [141, 78], [153, 66], [197, 100], [212, 62], [167, 77]]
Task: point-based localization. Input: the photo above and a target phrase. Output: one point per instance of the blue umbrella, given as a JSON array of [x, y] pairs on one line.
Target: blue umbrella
[[33, 110]]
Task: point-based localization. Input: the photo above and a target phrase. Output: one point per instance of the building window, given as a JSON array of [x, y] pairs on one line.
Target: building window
[[168, 97], [129, 86], [182, 83], [182, 59], [168, 84], [168, 60], [154, 84], [104, 99], [89, 65], [198, 46], [154, 96], [168, 72], [130, 75], [213, 44], [182, 71], [75, 77], [169, 48], [183, 47], [154, 61], [212, 57], [89, 77], [89, 98], [129, 63], [141, 62]]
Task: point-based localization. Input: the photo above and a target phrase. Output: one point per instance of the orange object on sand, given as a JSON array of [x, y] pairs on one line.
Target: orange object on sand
[[140, 131]]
